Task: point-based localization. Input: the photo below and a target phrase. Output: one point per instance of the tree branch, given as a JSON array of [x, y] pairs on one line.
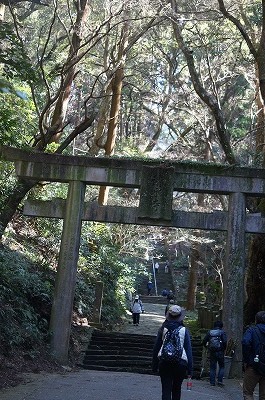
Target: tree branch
[[205, 96]]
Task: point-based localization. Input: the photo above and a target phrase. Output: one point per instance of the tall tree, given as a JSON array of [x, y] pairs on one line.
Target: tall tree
[[254, 37]]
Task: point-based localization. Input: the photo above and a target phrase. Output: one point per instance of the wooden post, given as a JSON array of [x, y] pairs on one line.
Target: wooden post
[[61, 315], [234, 270]]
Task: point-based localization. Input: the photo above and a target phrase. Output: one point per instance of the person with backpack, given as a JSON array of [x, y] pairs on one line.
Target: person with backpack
[[216, 341], [136, 309], [253, 348], [172, 353]]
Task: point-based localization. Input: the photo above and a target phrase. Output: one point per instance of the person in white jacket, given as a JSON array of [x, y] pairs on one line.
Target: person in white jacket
[[136, 309]]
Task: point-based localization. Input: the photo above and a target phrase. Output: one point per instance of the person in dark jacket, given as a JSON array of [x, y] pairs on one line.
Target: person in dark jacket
[[250, 348], [172, 375], [170, 296], [149, 287], [216, 356]]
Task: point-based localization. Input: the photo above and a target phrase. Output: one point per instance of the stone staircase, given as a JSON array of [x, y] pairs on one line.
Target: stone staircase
[[163, 281], [130, 351], [115, 351]]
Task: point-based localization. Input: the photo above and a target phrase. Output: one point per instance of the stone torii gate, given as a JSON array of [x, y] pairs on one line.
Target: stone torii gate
[[156, 180]]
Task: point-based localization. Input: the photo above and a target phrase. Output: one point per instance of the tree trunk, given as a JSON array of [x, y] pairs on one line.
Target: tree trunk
[[112, 129], [255, 282], [115, 107], [60, 110], [255, 275], [19, 192]]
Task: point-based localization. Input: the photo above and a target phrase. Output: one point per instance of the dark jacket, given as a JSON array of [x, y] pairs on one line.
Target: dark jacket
[[171, 325], [223, 336], [250, 343]]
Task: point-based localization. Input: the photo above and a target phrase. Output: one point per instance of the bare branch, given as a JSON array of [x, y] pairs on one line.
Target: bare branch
[[239, 26], [205, 96], [86, 123]]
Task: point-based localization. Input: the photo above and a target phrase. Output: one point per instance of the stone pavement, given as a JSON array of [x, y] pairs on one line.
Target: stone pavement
[[150, 320], [104, 385]]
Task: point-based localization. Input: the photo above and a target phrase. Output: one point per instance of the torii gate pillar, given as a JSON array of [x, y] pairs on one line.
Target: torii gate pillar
[[234, 270], [61, 315]]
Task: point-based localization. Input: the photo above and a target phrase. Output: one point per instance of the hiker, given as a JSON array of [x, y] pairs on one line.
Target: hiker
[[215, 341], [166, 267], [172, 373], [149, 287], [136, 309], [254, 358], [170, 296], [164, 292], [156, 267]]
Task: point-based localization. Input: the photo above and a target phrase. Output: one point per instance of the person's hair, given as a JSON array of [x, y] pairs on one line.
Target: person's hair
[[218, 324], [260, 317]]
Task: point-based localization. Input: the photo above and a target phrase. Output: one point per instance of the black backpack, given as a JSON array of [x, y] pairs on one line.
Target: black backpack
[[259, 366], [171, 350], [215, 342]]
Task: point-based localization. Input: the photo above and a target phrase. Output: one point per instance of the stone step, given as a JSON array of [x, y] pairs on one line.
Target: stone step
[[121, 336], [117, 348], [96, 351], [118, 351], [117, 368], [120, 357]]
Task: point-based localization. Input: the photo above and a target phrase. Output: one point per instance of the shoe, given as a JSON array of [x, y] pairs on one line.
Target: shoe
[[220, 384], [212, 384]]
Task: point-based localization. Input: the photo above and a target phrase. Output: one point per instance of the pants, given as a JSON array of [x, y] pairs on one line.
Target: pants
[[216, 358], [250, 381], [171, 377], [136, 318]]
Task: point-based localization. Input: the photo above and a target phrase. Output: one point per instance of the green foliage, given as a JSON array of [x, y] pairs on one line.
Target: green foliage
[[21, 285], [254, 12], [100, 260], [15, 62], [7, 179], [117, 277], [191, 322], [17, 120], [7, 87]]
